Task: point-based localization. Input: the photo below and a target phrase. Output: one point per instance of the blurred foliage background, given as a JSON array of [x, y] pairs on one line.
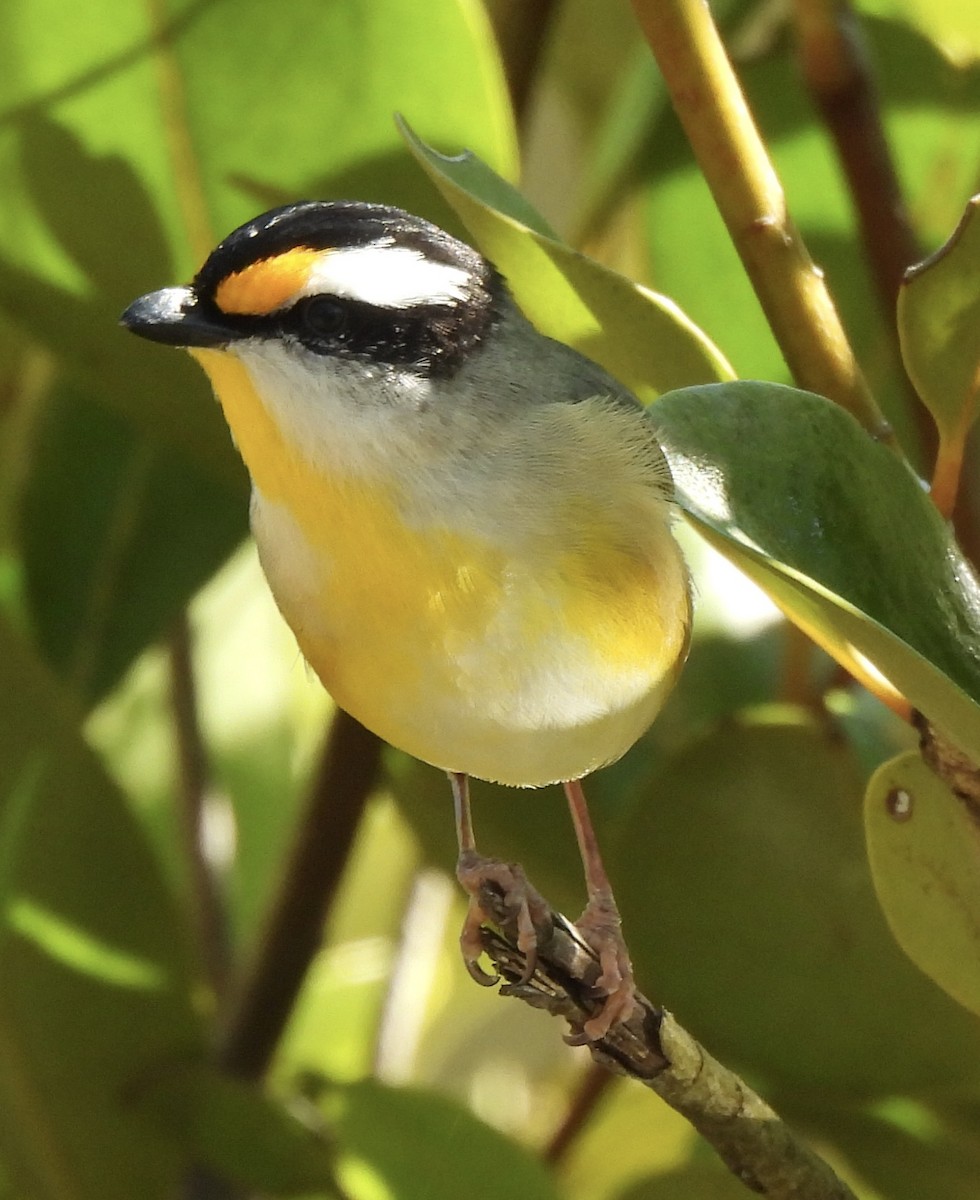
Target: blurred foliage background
[[160, 738]]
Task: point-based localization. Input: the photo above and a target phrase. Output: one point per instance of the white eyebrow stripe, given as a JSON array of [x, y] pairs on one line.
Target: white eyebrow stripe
[[387, 276]]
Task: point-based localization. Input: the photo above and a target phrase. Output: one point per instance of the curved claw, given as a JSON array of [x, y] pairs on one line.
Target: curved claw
[[474, 872], [530, 962], [477, 973], [472, 947]]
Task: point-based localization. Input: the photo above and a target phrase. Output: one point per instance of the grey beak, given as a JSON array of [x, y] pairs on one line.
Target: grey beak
[[174, 317]]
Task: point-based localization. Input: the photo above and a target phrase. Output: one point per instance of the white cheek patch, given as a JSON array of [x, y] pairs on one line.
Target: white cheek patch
[[386, 276]]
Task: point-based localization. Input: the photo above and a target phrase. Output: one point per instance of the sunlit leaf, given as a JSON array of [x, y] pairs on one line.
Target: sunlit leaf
[[838, 532], [641, 338], [950, 24], [924, 847]]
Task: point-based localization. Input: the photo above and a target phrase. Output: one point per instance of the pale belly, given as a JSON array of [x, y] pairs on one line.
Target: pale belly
[[525, 672]]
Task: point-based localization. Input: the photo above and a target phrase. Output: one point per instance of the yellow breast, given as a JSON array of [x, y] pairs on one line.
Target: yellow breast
[[525, 665]]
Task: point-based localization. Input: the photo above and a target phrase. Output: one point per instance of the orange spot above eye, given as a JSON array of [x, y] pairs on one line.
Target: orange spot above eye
[[264, 285]]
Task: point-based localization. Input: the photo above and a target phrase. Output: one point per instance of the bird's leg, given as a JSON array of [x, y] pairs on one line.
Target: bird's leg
[[474, 871], [600, 924]]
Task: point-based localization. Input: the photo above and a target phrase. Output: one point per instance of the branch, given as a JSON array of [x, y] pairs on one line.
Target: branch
[[837, 71], [586, 1099], [756, 1146], [711, 107], [293, 934], [521, 28], [959, 773], [207, 915], [835, 65]]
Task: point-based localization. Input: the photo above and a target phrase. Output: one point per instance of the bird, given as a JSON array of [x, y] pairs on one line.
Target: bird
[[466, 524]]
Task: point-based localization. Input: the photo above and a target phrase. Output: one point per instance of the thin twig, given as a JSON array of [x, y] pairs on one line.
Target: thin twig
[[796, 683], [522, 29], [838, 73], [734, 162], [756, 1146], [596, 1082], [347, 774], [207, 909]]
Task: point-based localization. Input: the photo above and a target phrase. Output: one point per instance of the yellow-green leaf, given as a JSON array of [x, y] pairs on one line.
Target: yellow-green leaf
[[640, 337], [924, 848], [939, 327], [951, 25]]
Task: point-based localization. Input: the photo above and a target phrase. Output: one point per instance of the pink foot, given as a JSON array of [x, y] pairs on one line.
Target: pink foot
[[521, 901], [600, 928]]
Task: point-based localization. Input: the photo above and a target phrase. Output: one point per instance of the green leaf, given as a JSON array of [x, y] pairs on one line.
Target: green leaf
[[641, 338], [756, 917], [426, 1147], [97, 980], [838, 532], [112, 555], [924, 848], [939, 327], [238, 1132]]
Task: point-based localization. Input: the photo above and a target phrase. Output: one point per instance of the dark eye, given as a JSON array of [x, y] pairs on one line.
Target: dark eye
[[322, 316]]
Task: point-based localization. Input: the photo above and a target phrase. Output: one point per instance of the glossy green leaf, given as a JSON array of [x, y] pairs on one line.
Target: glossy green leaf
[[111, 555], [473, 176], [838, 532], [97, 979], [749, 909], [425, 1147], [939, 327], [924, 848], [237, 1131], [641, 338]]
